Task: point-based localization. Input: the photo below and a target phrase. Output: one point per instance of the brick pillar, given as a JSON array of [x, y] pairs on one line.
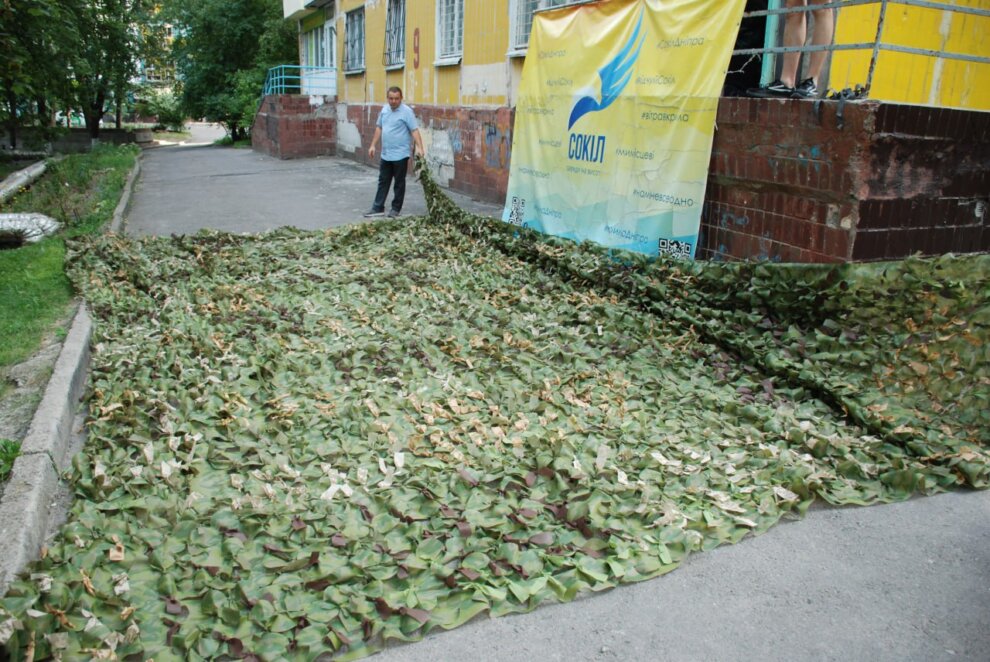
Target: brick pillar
[[291, 126]]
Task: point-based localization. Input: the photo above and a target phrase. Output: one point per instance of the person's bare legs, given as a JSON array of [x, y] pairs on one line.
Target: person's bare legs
[[821, 35], [795, 32]]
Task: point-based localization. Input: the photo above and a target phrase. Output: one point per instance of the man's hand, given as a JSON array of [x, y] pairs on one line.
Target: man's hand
[[371, 152], [418, 142]]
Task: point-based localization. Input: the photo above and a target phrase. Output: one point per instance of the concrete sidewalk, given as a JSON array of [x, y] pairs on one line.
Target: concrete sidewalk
[[908, 581], [188, 187]]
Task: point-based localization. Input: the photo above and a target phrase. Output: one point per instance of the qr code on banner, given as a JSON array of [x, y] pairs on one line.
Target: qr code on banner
[[674, 248], [516, 210]]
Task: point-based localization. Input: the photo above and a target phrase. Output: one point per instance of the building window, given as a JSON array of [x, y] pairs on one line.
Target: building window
[[354, 41], [395, 34], [314, 49], [450, 31], [522, 20]]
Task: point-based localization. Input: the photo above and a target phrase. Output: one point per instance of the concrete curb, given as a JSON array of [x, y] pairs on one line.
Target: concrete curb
[[35, 476], [117, 222], [24, 511]]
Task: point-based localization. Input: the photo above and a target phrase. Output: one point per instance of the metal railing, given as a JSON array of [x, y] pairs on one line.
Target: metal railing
[[296, 79], [770, 49]]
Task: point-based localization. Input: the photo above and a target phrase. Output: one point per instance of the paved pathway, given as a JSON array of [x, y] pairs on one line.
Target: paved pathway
[[909, 581], [184, 188]]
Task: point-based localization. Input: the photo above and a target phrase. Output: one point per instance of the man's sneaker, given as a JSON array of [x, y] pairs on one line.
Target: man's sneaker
[[392, 214], [775, 90], [374, 214], [806, 89]]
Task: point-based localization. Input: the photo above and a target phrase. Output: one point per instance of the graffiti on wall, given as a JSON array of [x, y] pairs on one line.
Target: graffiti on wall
[[497, 146], [439, 152]]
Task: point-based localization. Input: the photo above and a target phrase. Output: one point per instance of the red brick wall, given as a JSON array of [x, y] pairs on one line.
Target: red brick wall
[[291, 126], [793, 182], [789, 181], [927, 184], [469, 148]]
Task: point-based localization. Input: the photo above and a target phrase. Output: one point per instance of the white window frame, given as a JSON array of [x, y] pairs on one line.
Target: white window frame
[[394, 56], [330, 43], [354, 41], [521, 21], [450, 43], [314, 47]]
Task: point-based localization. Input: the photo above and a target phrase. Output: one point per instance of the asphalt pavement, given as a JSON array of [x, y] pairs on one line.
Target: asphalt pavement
[[186, 187], [907, 581]]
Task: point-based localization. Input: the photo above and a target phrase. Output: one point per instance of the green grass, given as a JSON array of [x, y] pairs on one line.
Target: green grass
[[172, 136], [81, 191], [227, 141], [7, 168], [9, 450], [34, 294]]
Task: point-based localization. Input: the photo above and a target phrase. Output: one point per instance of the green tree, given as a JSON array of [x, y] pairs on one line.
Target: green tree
[[38, 43], [108, 56], [70, 54], [222, 50]]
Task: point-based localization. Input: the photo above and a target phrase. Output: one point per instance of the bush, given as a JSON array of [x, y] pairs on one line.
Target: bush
[[164, 105], [247, 97]]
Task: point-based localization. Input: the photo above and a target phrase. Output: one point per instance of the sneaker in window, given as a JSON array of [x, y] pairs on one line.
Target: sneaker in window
[[392, 214], [775, 90], [806, 89], [371, 213]]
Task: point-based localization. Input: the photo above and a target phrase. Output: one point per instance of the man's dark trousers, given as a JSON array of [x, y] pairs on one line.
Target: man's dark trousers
[[386, 171]]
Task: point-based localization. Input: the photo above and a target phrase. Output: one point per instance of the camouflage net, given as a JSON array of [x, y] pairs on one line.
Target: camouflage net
[[308, 443]]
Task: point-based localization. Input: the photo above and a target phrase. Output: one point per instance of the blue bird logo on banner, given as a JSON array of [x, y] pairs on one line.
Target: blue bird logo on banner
[[614, 77]]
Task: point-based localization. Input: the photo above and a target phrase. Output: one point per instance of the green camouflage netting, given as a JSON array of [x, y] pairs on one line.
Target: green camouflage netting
[[305, 443]]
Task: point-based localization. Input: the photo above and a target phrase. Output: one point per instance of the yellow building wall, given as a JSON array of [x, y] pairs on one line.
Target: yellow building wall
[[360, 87], [314, 20], [484, 76], [420, 82], [485, 70], [912, 78]]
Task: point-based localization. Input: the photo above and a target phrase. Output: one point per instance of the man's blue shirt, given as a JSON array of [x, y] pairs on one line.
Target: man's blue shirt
[[396, 126]]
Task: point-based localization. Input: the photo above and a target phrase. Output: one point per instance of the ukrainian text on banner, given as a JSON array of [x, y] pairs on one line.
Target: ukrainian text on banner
[[614, 122]]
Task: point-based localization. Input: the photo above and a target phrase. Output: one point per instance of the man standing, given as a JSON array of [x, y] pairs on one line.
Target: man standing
[[396, 129]]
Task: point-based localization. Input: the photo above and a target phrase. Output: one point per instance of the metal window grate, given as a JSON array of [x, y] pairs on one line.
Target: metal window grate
[[523, 23], [354, 40], [395, 33], [451, 28]]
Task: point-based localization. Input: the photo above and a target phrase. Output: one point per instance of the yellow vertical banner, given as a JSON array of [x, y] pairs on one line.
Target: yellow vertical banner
[[615, 118]]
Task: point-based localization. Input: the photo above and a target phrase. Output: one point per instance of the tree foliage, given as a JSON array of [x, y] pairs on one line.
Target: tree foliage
[[108, 57], [38, 42], [222, 50], [61, 55], [70, 54]]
